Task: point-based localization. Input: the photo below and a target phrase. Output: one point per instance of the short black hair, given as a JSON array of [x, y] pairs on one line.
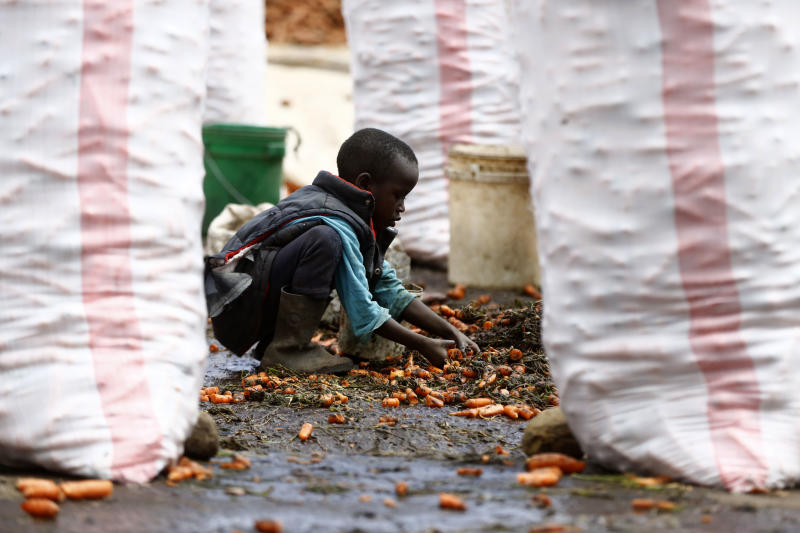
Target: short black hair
[[371, 150]]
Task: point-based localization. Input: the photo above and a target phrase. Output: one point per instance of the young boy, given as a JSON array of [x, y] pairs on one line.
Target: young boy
[[272, 281]]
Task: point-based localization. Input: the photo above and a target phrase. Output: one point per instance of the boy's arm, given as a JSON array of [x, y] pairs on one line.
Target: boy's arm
[[423, 317]]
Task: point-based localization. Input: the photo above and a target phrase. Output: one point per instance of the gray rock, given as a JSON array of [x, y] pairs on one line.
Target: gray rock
[[549, 432], [203, 442]]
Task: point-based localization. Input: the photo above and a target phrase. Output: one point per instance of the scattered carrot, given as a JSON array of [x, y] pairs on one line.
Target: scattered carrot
[[541, 500], [220, 398], [515, 354], [483, 299], [390, 402], [451, 501], [553, 400], [567, 464], [478, 402], [411, 397], [458, 292], [469, 413], [88, 489], [305, 431], [466, 471], [213, 348], [527, 413], [237, 462], [540, 477], [432, 401], [548, 528], [40, 488], [401, 488], [490, 410], [455, 354], [337, 418], [649, 481], [487, 325], [532, 291], [365, 498], [499, 450], [387, 421], [388, 502], [645, 504], [447, 311], [269, 526], [210, 390], [40, 507]]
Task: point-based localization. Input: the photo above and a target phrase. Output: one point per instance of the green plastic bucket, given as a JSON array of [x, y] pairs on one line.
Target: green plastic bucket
[[244, 165]]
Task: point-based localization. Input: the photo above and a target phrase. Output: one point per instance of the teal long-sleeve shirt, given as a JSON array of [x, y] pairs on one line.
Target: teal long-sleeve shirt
[[366, 311]]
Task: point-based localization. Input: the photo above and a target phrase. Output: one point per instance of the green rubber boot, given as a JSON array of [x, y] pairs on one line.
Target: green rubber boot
[[291, 346]]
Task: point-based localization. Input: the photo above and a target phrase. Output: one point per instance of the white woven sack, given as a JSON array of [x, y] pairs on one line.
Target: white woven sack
[[664, 136], [102, 316], [237, 63], [434, 73]]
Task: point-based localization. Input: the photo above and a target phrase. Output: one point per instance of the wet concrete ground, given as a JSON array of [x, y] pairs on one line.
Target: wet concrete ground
[[343, 479]]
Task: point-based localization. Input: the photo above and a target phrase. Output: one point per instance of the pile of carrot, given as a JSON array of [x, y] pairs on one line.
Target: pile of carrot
[[42, 495]]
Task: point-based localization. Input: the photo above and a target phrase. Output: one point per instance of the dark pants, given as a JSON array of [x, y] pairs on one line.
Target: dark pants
[[304, 266]]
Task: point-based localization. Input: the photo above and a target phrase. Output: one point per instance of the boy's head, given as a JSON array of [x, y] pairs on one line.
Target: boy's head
[[382, 164]]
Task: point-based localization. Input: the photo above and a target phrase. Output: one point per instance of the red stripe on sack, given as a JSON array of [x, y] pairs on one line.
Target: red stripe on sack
[[455, 77], [115, 338], [704, 255]]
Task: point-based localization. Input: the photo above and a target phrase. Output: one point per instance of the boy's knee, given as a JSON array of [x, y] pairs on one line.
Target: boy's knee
[[324, 240]]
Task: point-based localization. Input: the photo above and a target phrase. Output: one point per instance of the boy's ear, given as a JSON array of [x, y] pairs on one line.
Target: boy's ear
[[364, 181]]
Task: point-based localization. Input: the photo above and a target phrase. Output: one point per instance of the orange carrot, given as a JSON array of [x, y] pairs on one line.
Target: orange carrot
[[469, 373], [387, 420], [268, 526], [220, 398], [411, 396], [526, 413], [211, 390], [457, 293], [390, 402], [515, 354], [40, 507], [237, 462], [478, 402], [465, 471], [40, 488], [541, 500], [455, 354], [326, 400], [177, 473], [213, 348], [88, 489], [451, 501], [644, 504], [388, 502], [511, 412], [469, 413], [490, 410], [432, 401], [447, 311], [532, 291], [484, 299], [337, 418], [401, 488], [540, 477], [305, 431], [499, 450], [553, 400], [567, 464]]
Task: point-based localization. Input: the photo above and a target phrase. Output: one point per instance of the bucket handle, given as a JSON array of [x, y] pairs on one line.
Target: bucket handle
[[290, 129], [220, 177]]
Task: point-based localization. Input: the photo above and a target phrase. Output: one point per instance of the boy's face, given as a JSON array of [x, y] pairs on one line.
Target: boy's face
[[390, 191]]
